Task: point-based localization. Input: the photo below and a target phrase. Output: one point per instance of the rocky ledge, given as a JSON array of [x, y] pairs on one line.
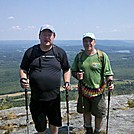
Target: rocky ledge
[[121, 118]]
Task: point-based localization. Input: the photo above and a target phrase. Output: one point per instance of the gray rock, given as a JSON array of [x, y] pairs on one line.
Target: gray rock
[[121, 118]]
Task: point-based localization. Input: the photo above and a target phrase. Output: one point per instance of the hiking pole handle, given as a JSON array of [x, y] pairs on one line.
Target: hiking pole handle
[[109, 82]]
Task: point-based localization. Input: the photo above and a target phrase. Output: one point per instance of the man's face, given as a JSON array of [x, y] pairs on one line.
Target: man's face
[[46, 37], [88, 43]]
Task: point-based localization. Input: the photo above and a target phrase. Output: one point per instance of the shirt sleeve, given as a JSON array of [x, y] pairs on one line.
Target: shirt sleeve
[[25, 63], [107, 66], [64, 60]]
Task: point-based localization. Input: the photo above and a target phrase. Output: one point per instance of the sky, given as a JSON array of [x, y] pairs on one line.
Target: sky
[[107, 19]]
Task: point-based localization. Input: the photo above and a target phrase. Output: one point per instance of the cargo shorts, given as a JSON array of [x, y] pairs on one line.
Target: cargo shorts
[[96, 105]]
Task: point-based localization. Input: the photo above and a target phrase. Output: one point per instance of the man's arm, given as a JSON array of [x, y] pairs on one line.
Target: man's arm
[[66, 78], [110, 84], [23, 73], [24, 81]]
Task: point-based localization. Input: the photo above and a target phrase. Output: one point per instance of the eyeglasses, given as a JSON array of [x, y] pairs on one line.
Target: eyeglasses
[[87, 40]]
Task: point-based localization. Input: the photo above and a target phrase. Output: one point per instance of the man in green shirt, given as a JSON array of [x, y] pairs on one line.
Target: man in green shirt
[[93, 70]]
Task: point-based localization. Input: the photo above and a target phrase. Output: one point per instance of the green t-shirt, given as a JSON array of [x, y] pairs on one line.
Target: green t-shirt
[[92, 67]]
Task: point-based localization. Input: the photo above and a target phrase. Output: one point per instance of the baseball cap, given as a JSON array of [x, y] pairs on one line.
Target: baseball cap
[[47, 26], [90, 35]]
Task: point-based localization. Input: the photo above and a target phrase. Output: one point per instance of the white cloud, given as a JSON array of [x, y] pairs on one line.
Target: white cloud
[[16, 27], [31, 27], [130, 26], [115, 30], [10, 18]]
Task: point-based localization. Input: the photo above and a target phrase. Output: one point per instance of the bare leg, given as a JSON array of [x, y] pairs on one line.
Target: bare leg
[[87, 119], [88, 123], [54, 129]]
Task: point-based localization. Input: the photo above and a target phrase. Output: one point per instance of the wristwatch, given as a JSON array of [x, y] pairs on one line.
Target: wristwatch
[[67, 84]]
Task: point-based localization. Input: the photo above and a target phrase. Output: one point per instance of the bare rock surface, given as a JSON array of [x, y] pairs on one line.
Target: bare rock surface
[[121, 118]]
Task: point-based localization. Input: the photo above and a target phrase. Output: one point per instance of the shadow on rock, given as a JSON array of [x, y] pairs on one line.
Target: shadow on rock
[[62, 130], [65, 129]]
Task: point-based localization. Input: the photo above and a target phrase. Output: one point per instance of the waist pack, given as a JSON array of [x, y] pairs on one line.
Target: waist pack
[[90, 92]]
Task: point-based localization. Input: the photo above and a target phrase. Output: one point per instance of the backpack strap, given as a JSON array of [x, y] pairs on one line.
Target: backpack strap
[[55, 52], [100, 55], [99, 52], [35, 51]]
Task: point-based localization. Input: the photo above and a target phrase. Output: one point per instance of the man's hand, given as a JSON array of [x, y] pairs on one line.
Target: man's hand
[[67, 86], [80, 75], [110, 85], [24, 83]]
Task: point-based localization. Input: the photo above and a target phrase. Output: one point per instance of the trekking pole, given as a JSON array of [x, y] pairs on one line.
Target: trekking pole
[[109, 94], [26, 102], [108, 112], [67, 104], [81, 95]]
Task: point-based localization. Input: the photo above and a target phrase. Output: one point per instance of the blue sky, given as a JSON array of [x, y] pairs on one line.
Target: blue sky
[[107, 19]]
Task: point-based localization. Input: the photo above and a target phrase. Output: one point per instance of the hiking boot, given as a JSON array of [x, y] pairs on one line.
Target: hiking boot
[[89, 130]]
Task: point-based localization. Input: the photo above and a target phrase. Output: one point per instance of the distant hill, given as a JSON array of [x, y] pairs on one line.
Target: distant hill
[[120, 52]]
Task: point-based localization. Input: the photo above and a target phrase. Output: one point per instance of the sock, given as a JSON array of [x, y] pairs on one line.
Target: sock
[[88, 126], [97, 129]]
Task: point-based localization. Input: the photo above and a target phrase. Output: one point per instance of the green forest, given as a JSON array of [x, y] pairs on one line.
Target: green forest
[[121, 54]]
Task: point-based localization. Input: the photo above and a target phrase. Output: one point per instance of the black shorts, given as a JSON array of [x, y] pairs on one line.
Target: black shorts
[[43, 110]]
